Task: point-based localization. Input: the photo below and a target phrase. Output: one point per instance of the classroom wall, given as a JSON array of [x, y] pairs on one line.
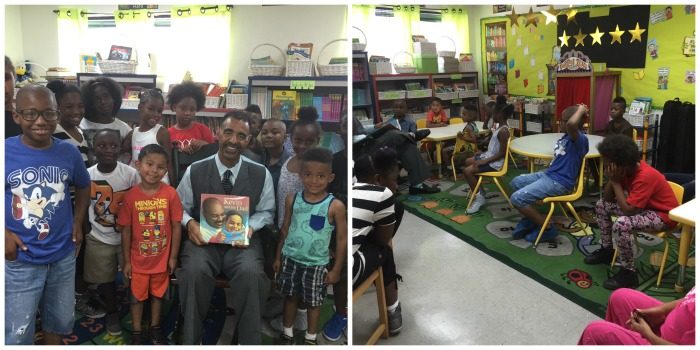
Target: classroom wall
[[29, 37], [13, 43], [540, 40], [281, 25]]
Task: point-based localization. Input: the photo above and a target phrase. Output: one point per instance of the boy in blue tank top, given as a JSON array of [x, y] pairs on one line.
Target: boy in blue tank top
[[311, 217]]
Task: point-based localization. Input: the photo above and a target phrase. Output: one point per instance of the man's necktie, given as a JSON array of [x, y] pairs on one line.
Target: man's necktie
[[226, 182]]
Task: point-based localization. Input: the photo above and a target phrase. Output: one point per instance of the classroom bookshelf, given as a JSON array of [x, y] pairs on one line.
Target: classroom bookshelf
[[495, 57], [418, 89], [280, 97], [363, 99]]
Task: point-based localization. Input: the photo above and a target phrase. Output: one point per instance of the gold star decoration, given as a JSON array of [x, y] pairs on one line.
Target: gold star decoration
[[564, 39], [513, 18], [571, 16], [616, 35], [531, 18], [637, 33], [579, 38], [550, 15], [596, 36]]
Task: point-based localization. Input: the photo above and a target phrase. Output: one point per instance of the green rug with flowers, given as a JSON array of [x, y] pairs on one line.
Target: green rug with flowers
[[557, 264]]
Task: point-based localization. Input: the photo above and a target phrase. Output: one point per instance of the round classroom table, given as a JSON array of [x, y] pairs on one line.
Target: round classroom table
[[541, 146]]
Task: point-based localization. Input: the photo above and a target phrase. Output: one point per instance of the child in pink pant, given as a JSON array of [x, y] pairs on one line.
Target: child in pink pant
[[660, 323]]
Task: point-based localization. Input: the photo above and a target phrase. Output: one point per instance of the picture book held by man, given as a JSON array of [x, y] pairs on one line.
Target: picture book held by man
[[224, 219]]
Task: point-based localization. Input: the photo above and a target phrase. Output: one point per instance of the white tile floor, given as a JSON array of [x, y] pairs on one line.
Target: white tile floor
[[455, 294]]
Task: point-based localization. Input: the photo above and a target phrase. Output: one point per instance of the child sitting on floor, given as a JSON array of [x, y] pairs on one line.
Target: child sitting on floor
[[302, 257], [639, 196], [492, 159], [556, 180]]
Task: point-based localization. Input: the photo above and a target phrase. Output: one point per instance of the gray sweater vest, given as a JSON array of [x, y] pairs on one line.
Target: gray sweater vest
[[205, 180]]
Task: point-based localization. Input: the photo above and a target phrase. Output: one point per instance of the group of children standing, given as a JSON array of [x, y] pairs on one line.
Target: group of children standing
[[72, 146]]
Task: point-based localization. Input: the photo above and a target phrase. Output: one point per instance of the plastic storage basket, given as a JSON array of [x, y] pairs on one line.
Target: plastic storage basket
[[298, 68], [361, 45], [212, 101], [402, 69], [115, 66], [238, 101], [266, 69], [331, 69]]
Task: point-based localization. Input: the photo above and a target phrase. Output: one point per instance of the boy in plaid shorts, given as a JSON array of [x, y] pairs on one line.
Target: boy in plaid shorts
[[302, 256]]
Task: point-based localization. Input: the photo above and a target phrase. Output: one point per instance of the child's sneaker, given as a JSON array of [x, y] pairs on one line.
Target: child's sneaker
[[309, 341], [547, 235], [285, 340], [476, 205], [156, 335], [300, 322], [395, 321], [523, 227], [83, 307], [335, 327], [136, 338], [113, 323]]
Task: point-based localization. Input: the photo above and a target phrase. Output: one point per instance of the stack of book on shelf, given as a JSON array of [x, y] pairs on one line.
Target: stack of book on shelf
[[359, 97], [284, 104], [358, 71]]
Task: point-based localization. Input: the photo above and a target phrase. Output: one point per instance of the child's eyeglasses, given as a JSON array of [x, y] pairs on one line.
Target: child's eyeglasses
[[32, 114]]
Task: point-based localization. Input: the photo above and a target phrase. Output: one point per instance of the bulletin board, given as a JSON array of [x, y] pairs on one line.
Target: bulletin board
[[531, 48]]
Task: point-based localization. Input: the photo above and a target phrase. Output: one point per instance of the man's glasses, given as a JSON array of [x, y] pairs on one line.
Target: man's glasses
[[32, 114]]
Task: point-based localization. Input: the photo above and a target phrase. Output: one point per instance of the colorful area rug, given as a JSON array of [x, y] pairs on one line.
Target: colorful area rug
[[557, 264], [89, 331]]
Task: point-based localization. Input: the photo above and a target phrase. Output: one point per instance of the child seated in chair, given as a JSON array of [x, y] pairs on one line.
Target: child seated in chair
[[492, 159], [557, 180], [436, 115], [641, 198], [469, 134]]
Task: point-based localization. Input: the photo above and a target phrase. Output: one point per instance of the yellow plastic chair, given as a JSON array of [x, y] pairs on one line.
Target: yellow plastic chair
[[376, 278], [512, 136], [456, 121], [678, 191], [566, 199], [423, 124], [460, 147], [494, 175]]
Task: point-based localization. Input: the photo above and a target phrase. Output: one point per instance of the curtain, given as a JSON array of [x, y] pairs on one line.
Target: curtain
[[201, 44], [604, 89], [72, 24], [136, 30], [405, 16], [458, 23], [572, 91]]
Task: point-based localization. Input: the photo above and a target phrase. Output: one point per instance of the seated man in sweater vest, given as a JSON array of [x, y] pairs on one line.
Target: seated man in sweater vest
[[227, 172]]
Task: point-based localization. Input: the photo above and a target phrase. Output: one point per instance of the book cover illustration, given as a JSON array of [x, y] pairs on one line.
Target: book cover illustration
[[120, 53], [283, 104], [224, 219]]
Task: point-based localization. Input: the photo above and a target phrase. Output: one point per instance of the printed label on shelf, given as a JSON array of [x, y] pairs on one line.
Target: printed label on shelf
[[302, 84], [457, 100], [456, 76]]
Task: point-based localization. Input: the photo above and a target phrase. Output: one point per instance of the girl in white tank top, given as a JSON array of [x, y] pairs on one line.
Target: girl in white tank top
[[149, 131]]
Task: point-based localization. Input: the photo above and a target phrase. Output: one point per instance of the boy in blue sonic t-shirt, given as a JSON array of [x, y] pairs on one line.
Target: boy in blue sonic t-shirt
[[41, 233], [557, 180]]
